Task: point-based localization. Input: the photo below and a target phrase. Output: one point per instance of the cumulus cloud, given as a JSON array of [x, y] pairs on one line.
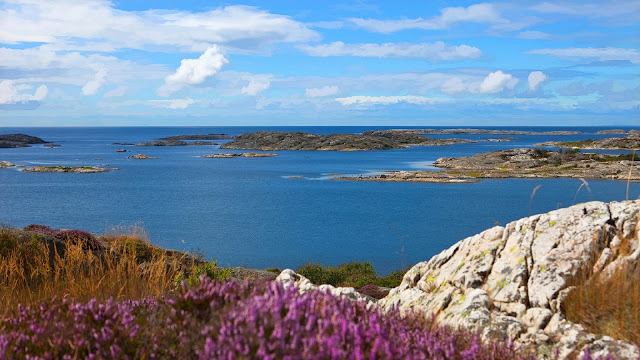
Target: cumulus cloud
[[173, 103], [478, 13], [496, 82], [255, 87], [193, 71], [388, 100], [434, 52], [321, 92], [117, 92], [92, 86], [12, 93], [602, 54], [536, 78]]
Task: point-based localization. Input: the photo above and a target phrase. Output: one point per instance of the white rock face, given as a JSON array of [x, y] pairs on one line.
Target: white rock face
[[289, 277], [510, 281]]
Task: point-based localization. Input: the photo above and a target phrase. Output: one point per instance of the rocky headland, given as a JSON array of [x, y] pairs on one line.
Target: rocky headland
[[19, 140], [68, 169], [235, 155], [370, 140], [514, 282], [629, 142], [520, 163]]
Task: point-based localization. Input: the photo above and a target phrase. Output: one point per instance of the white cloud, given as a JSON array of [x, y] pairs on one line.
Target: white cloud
[[117, 92], [388, 100], [92, 86], [484, 13], [600, 9], [602, 54], [453, 86], [321, 92], [534, 35], [193, 71], [12, 93], [434, 52], [536, 78], [496, 82], [173, 103], [255, 87], [240, 28]]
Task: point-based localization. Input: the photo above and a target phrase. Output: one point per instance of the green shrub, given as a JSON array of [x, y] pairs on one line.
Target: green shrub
[[353, 274], [210, 270]]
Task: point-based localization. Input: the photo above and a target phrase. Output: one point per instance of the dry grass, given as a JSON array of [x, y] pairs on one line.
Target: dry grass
[[33, 270], [608, 304]]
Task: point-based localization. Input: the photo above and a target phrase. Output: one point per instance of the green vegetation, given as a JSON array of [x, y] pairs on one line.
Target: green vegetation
[[354, 274], [577, 144], [210, 270]]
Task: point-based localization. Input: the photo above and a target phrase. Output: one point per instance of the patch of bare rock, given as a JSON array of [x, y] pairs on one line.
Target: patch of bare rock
[[510, 282]]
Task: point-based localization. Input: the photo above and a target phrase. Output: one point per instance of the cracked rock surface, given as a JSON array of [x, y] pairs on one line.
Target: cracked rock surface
[[509, 281]]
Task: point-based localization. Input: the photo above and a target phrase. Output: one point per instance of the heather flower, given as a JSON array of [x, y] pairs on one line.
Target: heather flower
[[231, 320]]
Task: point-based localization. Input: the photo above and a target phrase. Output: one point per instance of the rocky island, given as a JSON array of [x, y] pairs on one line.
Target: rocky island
[[370, 140], [68, 169], [173, 142], [19, 140], [199, 137], [141, 156], [520, 163], [234, 155], [629, 142]]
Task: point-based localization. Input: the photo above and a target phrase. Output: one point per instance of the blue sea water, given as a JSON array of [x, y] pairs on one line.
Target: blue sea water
[[249, 212]]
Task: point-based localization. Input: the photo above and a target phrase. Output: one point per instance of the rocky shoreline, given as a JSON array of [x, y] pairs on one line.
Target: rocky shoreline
[[519, 163]]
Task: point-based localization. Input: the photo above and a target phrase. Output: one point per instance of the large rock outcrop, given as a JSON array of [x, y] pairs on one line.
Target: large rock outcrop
[[510, 281]]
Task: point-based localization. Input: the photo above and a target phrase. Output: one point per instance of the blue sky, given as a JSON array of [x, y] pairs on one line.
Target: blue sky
[[420, 63]]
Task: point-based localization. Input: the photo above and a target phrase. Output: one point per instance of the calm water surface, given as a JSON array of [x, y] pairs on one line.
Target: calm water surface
[[247, 211]]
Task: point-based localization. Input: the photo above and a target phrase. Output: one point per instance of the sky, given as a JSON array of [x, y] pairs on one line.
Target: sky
[[418, 63]]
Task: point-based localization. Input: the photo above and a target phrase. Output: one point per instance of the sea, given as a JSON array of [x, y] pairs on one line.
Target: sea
[[284, 211]]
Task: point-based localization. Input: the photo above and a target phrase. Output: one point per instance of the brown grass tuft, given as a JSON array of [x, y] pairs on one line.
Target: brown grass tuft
[[34, 269], [608, 305]]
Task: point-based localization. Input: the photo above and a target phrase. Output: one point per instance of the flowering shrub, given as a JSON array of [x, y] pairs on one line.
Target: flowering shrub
[[76, 237], [214, 320]]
